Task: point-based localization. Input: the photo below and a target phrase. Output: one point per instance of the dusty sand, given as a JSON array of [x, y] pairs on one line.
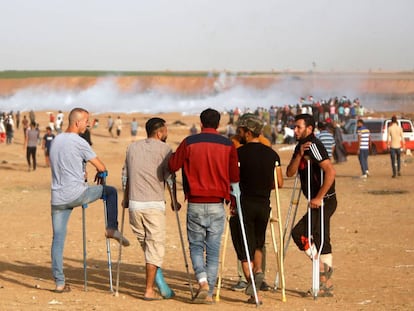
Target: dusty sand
[[372, 237]]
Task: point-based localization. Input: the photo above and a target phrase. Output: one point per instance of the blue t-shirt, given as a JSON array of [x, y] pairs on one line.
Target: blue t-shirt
[[68, 154]]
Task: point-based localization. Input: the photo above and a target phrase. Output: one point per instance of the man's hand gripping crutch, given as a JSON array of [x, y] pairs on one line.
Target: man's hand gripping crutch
[[235, 191]]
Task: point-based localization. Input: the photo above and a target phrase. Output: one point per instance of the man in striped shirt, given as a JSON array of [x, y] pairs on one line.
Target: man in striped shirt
[[364, 140], [326, 138]]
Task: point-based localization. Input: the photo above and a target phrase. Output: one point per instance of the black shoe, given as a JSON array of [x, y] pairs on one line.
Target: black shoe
[[264, 287], [393, 176], [239, 287]]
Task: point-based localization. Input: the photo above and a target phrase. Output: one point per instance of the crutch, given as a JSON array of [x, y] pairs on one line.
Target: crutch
[[294, 204], [279, 252], [108, 243], [170, 183], [118, 266], [315, 253], [293, 207], [85, 272], [223, 257], [235, 191]]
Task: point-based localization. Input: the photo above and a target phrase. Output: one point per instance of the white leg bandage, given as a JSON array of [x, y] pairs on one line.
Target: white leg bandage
[[327, 258]]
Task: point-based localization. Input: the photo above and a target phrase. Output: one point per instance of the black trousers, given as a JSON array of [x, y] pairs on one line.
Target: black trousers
[[31, 153], [300, 231]]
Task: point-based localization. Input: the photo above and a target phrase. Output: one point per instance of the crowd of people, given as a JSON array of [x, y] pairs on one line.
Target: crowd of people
[[279, 121], [215, 169]]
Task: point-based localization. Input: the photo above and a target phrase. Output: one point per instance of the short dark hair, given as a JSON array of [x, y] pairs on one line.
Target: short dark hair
[[360, 121], [210, 118], [309, 120], [394, 119], [153, 125]]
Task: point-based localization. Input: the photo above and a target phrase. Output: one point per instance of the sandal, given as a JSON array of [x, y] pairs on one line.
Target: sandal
[[201, 296], [64, 289], [325, 291]]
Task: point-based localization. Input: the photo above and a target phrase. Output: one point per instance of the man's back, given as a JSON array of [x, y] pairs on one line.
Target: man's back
[[327, 140], [147, 165], [209, 164], [396, 134]]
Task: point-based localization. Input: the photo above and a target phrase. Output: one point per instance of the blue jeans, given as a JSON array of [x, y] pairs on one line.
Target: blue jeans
[[205, 225], [363, 160], [395, 153], [60, 218]]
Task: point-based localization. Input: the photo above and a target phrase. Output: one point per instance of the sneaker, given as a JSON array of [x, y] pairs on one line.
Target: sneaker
[[367, 173], [264, 287], [239, 287], [364, 176], [116, 235]]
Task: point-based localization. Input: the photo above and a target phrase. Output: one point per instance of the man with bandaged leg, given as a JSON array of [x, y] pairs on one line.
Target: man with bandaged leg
[[146, 171], [312, 149]]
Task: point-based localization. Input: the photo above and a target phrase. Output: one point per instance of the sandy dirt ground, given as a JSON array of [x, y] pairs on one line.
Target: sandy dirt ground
[[372, 235]]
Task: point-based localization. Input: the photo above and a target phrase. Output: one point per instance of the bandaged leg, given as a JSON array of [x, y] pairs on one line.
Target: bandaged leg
[[165, 291]]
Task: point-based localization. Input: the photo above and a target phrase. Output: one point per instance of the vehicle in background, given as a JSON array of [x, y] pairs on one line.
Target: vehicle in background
[[379, 134]]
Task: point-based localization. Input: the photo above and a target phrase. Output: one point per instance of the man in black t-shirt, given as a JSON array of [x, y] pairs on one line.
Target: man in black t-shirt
[[309, 147], [257, 164]]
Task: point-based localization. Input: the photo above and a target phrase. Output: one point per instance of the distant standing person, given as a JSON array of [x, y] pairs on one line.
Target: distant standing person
[[32, 116], [52, 121], [209, 164], [364, 142], [69, 155], [193, 130], [18, 119], [25, 124], [46, 143], [110, 125], [118, 124], [340, 151], [395, 143], [326, 138], [59, 122], [134, 129], [9, 129], [30, 144], [2, 130]]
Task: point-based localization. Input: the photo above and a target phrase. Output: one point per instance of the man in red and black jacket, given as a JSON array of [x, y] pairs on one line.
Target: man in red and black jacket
[[209, 164]]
